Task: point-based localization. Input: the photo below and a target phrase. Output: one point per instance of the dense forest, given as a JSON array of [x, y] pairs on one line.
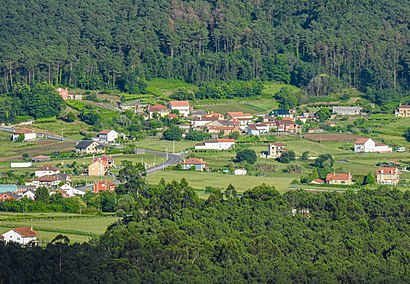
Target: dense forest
[[172, 236], [105, 44]]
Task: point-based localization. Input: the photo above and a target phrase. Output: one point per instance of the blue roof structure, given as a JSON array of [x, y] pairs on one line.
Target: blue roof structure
[[8, 187]]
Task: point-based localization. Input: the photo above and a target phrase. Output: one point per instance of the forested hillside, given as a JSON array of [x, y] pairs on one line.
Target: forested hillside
[[175, 237], [106, 44]]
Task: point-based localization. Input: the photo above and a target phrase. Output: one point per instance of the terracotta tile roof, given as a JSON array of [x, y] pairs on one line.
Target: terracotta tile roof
[[338, 177], [25, 232], [178, 104], [157, 107], [46, 179], [361, 140], [279, 144], [219, 140], [404, 106], [103, 185], [193, 161], [379, 144], [213, 127], [318, 180], [23, 131], [48, 168], [172, 115], [388, 171], [105, 131], [252, 127]]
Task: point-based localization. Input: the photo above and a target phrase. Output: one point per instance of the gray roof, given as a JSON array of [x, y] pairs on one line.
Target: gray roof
[[84, 144]]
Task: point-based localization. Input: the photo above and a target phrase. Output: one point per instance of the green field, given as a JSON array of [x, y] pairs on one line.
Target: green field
[[78, 228], [165, 87], [271, 88], [154, 143], [199, 180], [67, 129]]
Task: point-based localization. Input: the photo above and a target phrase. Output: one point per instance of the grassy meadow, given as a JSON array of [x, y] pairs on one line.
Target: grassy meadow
[[78, 228]]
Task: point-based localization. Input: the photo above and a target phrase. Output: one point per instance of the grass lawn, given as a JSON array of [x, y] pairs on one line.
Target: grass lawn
[[154, 143], [253, 106], [199, 180], [69, 130], [271, 88], [165, 87], [76, 228]]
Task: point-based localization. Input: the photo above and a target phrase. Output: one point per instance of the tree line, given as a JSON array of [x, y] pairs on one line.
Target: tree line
[[170, 235], [115, 44]]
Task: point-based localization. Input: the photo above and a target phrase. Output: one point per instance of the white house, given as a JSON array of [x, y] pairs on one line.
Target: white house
[[29, 135], [71, 191], [240, 172], [107, 136], [367, 145], [46, 171], [199, 164], [182, 106], [30, 194], [22, 235], [258, 129], [216, 144]]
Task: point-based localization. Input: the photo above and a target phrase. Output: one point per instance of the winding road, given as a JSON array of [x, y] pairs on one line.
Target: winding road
[[171, 160]]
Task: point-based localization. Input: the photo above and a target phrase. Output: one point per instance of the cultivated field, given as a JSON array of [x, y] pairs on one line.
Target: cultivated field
[[331, 137]]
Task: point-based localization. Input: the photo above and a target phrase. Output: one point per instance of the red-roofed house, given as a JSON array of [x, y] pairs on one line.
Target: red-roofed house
[[46, 171], [187, 164], [217, 144], [403, 111], [107, 160], [28, 134], [275, 150], [317, 181], [285, 126], [161, 110], [8, 196], [388, 176], [107, 136], [103, 186], [182, 106], [46, 181], [22, 235], [341, 179], [227, 129], [243, 118]]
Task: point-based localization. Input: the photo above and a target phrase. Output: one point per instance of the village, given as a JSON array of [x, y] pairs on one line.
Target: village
[[290, 133]]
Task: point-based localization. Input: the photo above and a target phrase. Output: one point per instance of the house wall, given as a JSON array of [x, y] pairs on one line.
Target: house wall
[[45, 173], [96, 169], [216, 146], [341, 182], [12, 236], [387, 179]]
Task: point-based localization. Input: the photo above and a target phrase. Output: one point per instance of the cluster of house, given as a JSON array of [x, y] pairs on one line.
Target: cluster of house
[[384, 176], [51, 177]]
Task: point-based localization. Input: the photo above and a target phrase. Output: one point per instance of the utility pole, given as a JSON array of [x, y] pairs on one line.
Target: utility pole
[[173, 146]]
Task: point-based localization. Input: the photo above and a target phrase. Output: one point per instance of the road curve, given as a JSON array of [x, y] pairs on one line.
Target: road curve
[[172, 160]]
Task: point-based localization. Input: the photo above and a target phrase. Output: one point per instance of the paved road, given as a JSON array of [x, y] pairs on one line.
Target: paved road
[[172, 158]]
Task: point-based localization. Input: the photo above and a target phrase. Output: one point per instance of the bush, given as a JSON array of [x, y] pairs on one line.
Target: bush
[[246, 155], [287, 157]]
